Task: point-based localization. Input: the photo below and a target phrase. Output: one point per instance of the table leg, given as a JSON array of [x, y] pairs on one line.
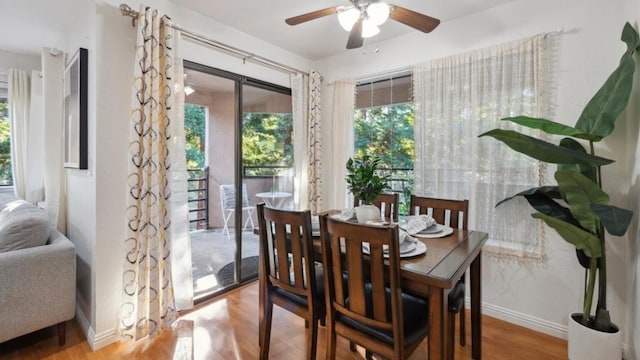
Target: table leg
[[476, 311], [438, 305]]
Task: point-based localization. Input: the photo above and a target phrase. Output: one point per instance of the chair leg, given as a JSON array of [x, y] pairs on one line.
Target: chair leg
[[312, 339], [226, 220], [451, 335], [62, 333], [331, 341], [266, 329], [463, 330]]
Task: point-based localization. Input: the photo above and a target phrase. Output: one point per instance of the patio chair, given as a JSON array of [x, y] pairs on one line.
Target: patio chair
[[228, 204], [369, 308], [458, 215]]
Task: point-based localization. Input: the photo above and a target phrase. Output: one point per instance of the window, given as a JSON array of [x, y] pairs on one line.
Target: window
[[384, 122], [194, 128], [267, 147], [6, 178]]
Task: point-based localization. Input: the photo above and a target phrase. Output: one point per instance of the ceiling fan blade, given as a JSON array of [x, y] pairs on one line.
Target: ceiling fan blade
[[414, 19], [355, 35], [311, 16]]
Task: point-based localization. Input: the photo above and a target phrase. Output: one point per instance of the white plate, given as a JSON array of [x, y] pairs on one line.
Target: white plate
[[405, 248], [445, 231], [419, 249]]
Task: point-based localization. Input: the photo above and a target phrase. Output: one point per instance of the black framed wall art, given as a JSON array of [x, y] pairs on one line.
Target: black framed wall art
[[76, 80]]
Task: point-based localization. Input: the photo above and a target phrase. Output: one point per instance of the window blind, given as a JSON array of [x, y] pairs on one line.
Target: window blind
[[394, 90]]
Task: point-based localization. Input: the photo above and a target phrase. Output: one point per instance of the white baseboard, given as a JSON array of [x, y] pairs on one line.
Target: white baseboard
[[528, 321], [96, 341]]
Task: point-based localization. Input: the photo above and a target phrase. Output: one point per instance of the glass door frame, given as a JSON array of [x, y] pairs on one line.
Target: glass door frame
[[239, 81]]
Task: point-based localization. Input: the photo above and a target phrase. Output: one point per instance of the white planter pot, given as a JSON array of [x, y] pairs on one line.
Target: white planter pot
[[587, 343], [366, 213]]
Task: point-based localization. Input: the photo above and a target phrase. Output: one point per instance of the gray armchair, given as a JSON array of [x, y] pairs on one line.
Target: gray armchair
[[37, 287]]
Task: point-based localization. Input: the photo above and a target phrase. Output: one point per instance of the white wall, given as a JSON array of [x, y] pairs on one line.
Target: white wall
[[538, 295], [12, 60]]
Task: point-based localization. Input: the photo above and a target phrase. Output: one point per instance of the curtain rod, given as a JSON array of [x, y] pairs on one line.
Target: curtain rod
[[126, 10]]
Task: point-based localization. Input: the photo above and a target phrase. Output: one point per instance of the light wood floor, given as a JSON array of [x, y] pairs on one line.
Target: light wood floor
[[227, 328]]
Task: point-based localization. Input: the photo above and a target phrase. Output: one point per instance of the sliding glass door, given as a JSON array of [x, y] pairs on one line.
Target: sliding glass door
[[244, 155]]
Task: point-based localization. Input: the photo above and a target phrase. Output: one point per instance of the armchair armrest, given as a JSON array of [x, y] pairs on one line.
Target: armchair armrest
[[37, 286]]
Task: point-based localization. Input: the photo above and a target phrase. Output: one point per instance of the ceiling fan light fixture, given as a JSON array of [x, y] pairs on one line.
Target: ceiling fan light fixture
[[369, 28], [348, 18], [378, 12]]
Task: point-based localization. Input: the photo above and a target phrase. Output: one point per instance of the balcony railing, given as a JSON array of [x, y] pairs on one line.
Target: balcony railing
[[264, 170], [198, 188]]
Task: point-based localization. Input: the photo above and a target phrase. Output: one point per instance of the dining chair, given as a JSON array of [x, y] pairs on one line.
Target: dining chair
[[288, 274], [387, 200], [453, 213], [365, 303], [228, 204]]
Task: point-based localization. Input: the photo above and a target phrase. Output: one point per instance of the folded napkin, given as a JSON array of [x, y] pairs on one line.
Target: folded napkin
[[417, 223], [346, 214], [407, 242]]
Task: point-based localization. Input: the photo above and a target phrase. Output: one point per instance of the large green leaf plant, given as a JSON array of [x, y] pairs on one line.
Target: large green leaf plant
[[577, 208]]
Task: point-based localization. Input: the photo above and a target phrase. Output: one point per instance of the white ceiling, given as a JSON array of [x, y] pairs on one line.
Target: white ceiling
[[316, 39]]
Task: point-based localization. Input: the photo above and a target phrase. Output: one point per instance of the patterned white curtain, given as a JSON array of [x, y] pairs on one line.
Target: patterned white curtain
[[305, 96], [459, 97], [314, 171], [342, 146], [148, 304]]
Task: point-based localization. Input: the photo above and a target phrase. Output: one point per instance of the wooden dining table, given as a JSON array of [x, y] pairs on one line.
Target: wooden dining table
[[433, 274]]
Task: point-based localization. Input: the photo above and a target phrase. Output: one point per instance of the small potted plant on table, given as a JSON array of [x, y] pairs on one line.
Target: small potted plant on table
[[364, 182]]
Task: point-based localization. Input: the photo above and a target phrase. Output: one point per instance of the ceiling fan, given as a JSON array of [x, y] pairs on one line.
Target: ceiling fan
[[363, 17]]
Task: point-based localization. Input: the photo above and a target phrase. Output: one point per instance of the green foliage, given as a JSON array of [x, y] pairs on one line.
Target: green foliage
[[578, 176], [194, 126], [386, 132], [6, 176], [363, 181], [267, 142]]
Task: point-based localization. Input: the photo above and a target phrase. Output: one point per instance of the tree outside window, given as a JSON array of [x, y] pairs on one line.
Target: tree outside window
[[387, 132], [6, 177], [267, 146], [194, 127]]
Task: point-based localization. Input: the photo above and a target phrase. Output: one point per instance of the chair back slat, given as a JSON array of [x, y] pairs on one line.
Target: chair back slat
[[453, 213], [368, 278], [288, 243]]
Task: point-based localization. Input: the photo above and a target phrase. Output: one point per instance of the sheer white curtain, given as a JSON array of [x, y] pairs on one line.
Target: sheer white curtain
[[54, 173], [305, 97], [300, 104], [19, 104], [461, 96], [156, 195], [34, 182], [342, 145], [181, 269]]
